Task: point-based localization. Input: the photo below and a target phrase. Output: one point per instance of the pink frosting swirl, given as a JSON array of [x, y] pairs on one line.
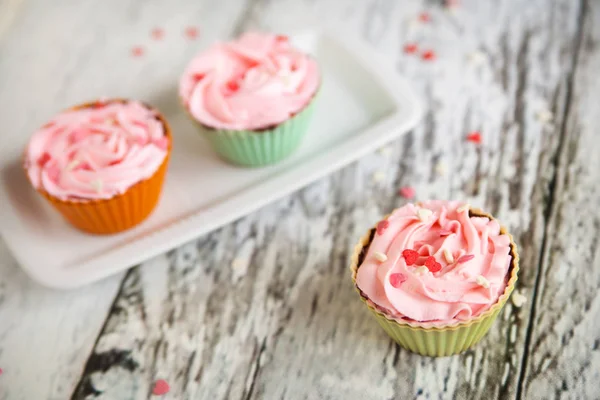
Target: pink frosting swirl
[[254, 82], [96, 152], [458, 271]]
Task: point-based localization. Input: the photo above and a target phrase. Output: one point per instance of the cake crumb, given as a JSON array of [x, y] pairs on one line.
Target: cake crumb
[[518, 299], [379, 256]]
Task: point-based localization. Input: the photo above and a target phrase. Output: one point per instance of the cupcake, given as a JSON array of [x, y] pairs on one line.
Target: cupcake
[[101, 165], [252, 98], [435, 275]]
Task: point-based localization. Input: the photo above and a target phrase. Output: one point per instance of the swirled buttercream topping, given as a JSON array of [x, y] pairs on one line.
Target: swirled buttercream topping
[[96, 152], [254, 82], [439, 264]]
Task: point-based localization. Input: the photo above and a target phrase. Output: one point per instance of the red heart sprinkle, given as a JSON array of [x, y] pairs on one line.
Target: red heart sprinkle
[[157, 33], [410, 256], [465, 258], [474, 137], [428, 55], [44, 159], [160, 387], [445, 232], [410, 48], [397, 279], [191, 32], [382, 226], [233, 86], [424, 17], [407, 192], [137, 51], [432, 265], [282, 38], [162, 143]]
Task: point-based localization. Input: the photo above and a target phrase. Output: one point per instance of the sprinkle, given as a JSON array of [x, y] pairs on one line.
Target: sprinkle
[[382, 226], [474, 137], [544, 116], [1, 371], [97, 185], [407, 192], [397, 279], [137, 51], [53, 172], [160, 387], [162, 143], [424, 214], [191, 32], [440, 168], [462, 208], [482, 281], [410, 256], [410, 48], [432, 265], [448, 256], [72, 165], [421, 270], [445, 232], [44, 159], [476, 58], [465, 258], [378, 176], [157, 33], [428, 55], [198, 77], [518, 299], [424, 17], [233, 86], [379, 256], [282, 38]]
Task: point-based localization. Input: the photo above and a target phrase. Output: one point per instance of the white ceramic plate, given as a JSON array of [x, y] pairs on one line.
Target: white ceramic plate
[[363, 105]]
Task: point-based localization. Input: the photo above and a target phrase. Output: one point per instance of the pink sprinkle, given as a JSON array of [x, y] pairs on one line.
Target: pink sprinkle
[[410, 48], [137, 51], [424, 17], [428, 55], [157, 34], [1, 371], [162, 143], [407, 192], [397, 279], [445, 232], [191, 32], [44, 159], [465, 258], [382, 226], [474, 137], [160, 387]]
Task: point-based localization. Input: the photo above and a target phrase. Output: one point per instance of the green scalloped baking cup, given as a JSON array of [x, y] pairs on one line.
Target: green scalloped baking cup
[[259, 148], [446, 340]]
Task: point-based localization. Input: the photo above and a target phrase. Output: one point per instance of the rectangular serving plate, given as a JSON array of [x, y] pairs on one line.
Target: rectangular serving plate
[[363, 104]]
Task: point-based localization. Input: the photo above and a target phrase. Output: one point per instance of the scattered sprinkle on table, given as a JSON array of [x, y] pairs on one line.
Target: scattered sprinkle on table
[[160, 387], [474, 137], [424, 17], [518, 299], [424, 214], [477, 58], [137, 51], [440, 168], [378, 176], [191, 32], [544, 116], [411, 48], [379, 256], [407, 192], [428, 55], [157, 33]]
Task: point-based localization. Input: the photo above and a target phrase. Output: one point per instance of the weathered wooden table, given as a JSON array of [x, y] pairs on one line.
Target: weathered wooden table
[[264, 308]]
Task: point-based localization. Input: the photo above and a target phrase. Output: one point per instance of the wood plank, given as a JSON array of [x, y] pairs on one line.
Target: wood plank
[[264, 308], [564, 360]]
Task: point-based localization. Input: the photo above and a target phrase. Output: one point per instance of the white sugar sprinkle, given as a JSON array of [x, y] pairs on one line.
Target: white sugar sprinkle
[[482, 281], [72, 165], [378, 176], [448, 256], [462, 208], [477, 58], [518, 299], [421, 270], [424, 214], [544, 116], [97, 185], [380, 256]]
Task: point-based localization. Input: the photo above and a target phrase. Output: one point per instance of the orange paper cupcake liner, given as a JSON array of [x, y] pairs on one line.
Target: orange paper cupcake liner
[[120, 212]]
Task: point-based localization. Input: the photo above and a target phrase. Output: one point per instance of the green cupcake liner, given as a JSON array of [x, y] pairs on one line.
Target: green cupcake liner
[[438, 341], [259, 148]]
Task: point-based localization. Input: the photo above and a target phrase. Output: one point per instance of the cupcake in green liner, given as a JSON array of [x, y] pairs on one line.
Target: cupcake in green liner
[[435, 275], [252, 97]]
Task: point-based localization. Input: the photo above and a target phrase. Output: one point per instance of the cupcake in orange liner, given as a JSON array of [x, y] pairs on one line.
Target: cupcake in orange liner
[[102, 164], [435, 275], [252, 97]]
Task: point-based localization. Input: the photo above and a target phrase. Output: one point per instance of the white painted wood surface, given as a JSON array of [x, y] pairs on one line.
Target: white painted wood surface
[[264, 308]]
